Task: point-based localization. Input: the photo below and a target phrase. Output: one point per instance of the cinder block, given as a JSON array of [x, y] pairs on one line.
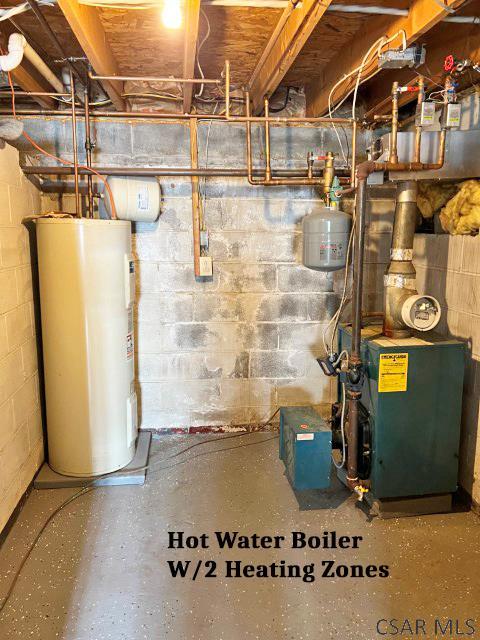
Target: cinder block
[[296, 278], [468, 328], [303, 391], [24, 282], [153, 307], [3, 337], [278, 247], [262, 393], [35, 429], [29, 357], [230, 246], [25, 401], [21, 204], [471, 254], [19, 326], [277, 364], [170, 246], [170, 419], [170, 148], [228, 417], [9, 296], [13, 248], [7, 422], [192, 366], [9, 165], [222, 306], [11, 374], [13, 455], [5, 217], [302, 335], [251, 278], [158, 277]]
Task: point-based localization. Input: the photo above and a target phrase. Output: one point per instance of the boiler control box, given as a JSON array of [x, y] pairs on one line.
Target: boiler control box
[[305, 448]]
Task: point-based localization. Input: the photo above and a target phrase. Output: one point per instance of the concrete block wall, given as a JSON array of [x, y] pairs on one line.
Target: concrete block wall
[[448, 267], [232, 350], [21, 436]]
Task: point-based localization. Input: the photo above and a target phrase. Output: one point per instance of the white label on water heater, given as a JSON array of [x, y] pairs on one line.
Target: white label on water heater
[[130, 347], [142, 199]]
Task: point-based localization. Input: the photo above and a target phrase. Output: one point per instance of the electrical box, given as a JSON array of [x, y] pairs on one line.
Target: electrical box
[[399, 58], [305, 448], [425, 115], [410, 413], [452, 114]]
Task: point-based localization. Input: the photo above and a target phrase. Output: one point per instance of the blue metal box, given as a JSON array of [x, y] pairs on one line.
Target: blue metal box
[[305, 448]]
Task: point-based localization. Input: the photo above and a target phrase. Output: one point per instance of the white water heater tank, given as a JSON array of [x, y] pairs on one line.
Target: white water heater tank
[[87, 289]]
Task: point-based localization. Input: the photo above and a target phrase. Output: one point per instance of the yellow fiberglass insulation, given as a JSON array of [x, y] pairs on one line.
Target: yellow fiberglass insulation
[[432, 196], [461, 214]]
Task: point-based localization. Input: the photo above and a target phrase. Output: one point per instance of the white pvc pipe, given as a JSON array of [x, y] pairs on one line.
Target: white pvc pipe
[[16, 45], [33, 57]]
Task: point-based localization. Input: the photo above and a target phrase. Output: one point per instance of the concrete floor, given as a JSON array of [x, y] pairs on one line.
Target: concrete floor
[[100, 571]]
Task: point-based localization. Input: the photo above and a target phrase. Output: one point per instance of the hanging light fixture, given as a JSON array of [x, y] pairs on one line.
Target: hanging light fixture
[[172, 14]]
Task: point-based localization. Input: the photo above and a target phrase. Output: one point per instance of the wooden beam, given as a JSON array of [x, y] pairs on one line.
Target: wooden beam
[[292, 32], [422, 16], [192, 18], [85, 24]]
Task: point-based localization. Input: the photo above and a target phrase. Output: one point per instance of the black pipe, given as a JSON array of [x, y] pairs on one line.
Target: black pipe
[[355, 370]]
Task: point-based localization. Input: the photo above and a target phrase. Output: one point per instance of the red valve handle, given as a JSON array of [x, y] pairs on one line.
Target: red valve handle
[[449, 63]]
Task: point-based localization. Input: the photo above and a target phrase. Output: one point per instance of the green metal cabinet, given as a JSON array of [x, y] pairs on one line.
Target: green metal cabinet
[[415, 432]]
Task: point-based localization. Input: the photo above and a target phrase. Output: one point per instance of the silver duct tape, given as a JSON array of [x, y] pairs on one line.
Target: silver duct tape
[[402, 255], [401, 282]]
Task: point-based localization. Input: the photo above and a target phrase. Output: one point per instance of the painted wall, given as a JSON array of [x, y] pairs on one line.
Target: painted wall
[[21, 437]]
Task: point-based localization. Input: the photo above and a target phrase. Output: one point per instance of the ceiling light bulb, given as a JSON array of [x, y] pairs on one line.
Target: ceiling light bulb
[[171, 14]]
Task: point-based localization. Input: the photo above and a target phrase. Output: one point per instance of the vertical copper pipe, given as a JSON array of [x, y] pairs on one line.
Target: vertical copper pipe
[[268, 166], [78, 208], [418, 126], [88, 151], [196, 203], [394, 135], [227, 89]]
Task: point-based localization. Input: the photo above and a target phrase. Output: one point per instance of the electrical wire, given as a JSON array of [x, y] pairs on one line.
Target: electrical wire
[[90, 486], [202, 42], [61, 160]]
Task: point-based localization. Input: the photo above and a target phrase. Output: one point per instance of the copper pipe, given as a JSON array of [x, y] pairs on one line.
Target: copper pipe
[[155, 115], [88, 152], [78, 209], [268, 166], [418, 127], [393, 137], [168, 171], [227, 89], [53, 94], [156, 79], [196, 202]]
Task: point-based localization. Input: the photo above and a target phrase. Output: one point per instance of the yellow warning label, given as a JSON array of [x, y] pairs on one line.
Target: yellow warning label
[[393, 372]]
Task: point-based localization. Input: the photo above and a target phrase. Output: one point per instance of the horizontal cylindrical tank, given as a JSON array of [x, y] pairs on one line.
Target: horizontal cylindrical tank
[[136, 198], [325, 239], [87, 289]]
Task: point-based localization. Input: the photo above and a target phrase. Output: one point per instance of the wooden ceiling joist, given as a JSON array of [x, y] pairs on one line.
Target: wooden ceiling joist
[[422, 16], [192, 17], [292, 32], [85, 24]]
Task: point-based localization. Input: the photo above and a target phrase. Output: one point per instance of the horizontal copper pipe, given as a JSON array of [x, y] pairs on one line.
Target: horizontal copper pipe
[[168, 171], [155, 115]]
